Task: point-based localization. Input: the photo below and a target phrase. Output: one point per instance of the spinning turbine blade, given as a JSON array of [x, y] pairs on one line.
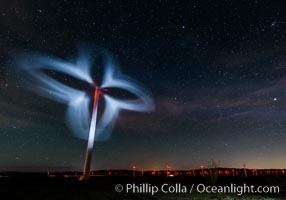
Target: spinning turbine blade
[[83, 124]]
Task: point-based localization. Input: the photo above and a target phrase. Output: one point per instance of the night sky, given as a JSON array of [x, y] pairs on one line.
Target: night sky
[[216, 70]]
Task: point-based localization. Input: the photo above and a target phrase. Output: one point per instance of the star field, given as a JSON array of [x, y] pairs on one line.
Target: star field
[[216, 69]]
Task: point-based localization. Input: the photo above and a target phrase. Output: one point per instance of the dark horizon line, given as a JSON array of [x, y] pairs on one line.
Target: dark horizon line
[[150, 170]]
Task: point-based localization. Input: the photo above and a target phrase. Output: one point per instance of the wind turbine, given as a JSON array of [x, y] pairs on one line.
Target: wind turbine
[[83, 124]]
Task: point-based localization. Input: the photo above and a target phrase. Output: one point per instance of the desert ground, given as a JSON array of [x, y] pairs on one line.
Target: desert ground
[[65, 187]]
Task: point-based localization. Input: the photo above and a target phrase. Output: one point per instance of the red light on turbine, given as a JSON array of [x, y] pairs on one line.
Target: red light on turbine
[[96, 93]]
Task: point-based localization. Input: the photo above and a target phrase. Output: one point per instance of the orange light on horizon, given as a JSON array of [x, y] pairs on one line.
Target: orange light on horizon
[[202, 168], [133, 170]]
